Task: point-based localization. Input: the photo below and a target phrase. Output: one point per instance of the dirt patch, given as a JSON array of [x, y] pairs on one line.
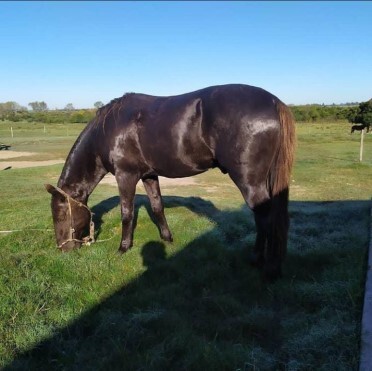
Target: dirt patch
[[13, 154], [24, 164], [6, 155], [164, 182]]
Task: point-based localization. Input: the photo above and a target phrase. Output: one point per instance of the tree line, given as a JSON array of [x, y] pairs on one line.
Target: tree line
[[359, 113], [322, 113], [12, 111]]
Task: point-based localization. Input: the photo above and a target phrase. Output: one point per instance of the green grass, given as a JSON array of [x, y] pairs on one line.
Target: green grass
[[194, 304], [54, 143]]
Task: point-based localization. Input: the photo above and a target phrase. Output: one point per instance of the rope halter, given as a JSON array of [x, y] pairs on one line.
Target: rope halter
[[85, 240]]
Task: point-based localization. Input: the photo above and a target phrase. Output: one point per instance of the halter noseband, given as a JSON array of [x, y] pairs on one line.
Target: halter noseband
[[86, 240]]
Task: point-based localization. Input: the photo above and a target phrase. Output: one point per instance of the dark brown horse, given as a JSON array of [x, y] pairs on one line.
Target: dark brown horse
[[245, 131], [359, 127]]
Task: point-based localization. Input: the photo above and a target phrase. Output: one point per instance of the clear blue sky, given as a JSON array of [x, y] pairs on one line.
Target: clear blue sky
[[83, 52]]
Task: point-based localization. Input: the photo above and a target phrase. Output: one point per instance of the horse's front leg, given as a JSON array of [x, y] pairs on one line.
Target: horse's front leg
[[127, 189], [153, 191]]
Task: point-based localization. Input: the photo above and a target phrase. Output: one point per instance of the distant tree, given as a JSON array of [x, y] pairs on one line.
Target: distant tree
[[69, 107], [351, 113], [98, 104], [11, 107], [34, 106], [43, 106], [38, 106], [362, 115], [12, 111]]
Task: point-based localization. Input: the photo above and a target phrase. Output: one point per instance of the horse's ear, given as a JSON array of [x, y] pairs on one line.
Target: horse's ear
[[54, 191], [51, 189]]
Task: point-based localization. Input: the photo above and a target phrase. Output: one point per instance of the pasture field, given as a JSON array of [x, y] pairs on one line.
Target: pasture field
[[194, 304]]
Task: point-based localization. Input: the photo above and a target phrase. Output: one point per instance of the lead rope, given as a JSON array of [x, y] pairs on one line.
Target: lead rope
[[26, 230], [52, 230]]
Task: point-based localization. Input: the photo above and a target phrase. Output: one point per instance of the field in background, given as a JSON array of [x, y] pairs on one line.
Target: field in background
[[194, 304], [53, 143]]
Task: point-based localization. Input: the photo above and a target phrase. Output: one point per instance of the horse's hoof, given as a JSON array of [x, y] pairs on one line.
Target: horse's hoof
[[167, 237], [272, 271], [124, 248], [121, 251]]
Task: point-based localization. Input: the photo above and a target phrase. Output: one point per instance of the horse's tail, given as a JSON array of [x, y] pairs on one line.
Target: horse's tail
[[279, 178], [280, 171]]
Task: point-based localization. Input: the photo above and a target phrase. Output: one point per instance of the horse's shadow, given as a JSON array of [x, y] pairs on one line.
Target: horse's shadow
[[200, 294], [194, 204]]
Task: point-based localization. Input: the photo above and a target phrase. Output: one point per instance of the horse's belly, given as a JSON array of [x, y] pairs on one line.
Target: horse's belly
[[180, 161]]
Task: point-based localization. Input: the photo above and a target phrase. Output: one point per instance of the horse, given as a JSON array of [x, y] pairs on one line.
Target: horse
[[243, 130], [359, 127]]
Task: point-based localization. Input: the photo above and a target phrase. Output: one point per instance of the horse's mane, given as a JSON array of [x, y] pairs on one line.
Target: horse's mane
[[113, 107]]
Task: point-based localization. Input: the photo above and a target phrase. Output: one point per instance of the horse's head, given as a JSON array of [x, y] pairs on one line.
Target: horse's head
[[71, 219]]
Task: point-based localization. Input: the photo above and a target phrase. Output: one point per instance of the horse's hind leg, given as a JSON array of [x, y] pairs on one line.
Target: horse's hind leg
[[257, 257], [267, 252], [127, 189], [153, 191], [271, 217]]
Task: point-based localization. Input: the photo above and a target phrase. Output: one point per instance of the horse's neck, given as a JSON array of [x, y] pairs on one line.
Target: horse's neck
[[83, 170]]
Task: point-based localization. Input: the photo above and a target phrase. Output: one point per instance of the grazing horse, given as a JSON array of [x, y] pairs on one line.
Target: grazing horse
[[359, 127], [243, 130]]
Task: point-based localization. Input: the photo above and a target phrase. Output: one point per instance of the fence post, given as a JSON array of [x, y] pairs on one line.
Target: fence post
[[11, 131], [361, 146]]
